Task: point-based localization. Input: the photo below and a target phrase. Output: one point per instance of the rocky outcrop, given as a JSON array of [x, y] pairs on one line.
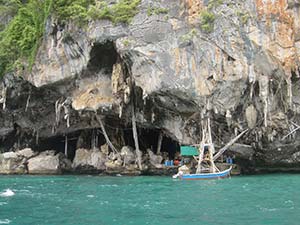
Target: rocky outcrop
[[172, 71], [15, 162], [155, 160], [128, 155], [48, 163], [10, 163], [89, 160]]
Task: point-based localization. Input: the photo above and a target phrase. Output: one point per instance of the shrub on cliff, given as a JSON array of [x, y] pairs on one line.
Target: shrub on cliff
[[19, 41], [121, 12], [82, 10], [72, 9], [207, 20]]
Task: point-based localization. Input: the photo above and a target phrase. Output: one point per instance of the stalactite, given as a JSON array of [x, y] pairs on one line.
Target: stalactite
[[120, 110], [252, 78], [37, 137], [127, 94], [289, 90], [58, 106], [228, 118], [263, 93], [67, 112], [159, 142], [3, 99], [152, 117], [94, 140]]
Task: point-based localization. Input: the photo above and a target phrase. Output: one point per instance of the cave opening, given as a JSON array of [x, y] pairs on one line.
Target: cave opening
[[102, 58], [93, 138], [88, 139], [7, 142], [148, 139]]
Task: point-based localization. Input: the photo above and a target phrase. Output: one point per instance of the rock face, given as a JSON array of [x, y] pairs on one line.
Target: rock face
[[26, 161], [15, 162], [10, 163], [89, 160], [155, 160], [48, 163], [128, 155], [243, 72]]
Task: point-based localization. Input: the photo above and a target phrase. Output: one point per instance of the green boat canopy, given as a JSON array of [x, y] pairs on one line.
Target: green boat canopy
[[188, 150]]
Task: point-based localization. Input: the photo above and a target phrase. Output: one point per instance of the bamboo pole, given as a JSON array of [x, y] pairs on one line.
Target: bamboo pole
[[105, 135], [231, 142], [200, 157], [209, 131], [212, 164], [66, 145], [136, 140]]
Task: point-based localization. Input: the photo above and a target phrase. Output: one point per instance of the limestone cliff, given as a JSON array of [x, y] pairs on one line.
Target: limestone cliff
[[241, 67]]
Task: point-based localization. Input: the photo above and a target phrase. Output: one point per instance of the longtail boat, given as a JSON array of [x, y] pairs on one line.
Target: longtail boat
[[205, 176], [204, 155], [206, 168]]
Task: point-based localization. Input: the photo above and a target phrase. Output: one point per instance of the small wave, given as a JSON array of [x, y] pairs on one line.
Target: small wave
[[23, 191], [268, 209], [90, 196], [7, 193], [6, 221], [3, 203], [104, 203], [108, 185]]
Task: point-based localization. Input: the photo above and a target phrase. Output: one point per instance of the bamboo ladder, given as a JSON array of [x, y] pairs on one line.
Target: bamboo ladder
[[206, 140]]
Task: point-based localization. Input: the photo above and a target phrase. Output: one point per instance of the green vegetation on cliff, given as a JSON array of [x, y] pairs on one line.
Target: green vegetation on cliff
[[8, 10], [207, 20], [76, 10], [156, 10], [121, 12], [20, 39]]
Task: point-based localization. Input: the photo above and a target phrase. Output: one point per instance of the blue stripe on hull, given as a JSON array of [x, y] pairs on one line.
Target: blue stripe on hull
[[201, 176]]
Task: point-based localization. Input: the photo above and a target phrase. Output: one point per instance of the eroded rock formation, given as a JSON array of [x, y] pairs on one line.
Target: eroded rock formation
[[244, 73]]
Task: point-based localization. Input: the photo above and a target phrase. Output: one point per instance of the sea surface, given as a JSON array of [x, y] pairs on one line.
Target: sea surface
[[57, 200]]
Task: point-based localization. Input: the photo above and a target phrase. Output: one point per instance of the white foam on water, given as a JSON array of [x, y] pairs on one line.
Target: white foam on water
[[7, 193], [268, 209], [6, 221], [3, 203], [90, 196]]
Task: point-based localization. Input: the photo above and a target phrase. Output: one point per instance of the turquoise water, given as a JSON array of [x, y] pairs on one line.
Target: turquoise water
[[268, 199]]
